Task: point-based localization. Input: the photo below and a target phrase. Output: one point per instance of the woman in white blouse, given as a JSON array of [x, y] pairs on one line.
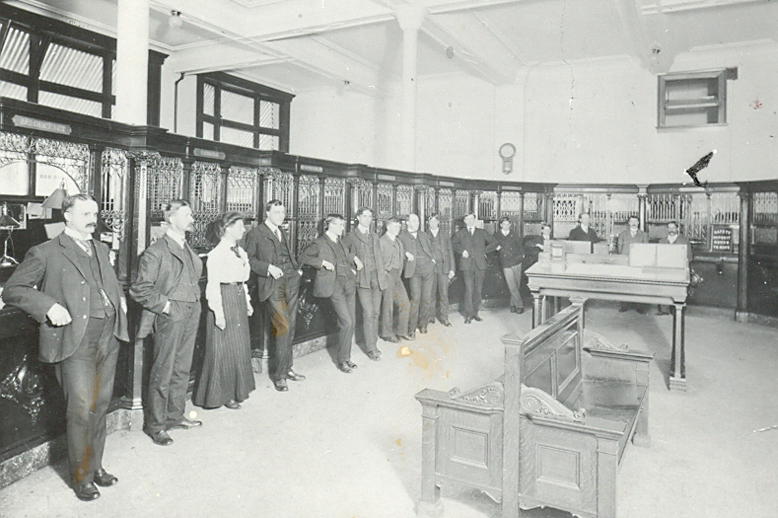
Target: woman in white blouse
[[226, 377]]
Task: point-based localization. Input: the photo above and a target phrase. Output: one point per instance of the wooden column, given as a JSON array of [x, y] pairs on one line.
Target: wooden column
[[741, 312], [678, 357]]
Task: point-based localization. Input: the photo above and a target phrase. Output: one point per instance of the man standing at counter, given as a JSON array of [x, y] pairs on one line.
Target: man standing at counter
[[626, 237], [82, 312], [168, 288], [583, 232]]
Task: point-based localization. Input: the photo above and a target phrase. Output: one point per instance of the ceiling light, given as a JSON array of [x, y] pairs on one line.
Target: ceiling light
[[175, 20]]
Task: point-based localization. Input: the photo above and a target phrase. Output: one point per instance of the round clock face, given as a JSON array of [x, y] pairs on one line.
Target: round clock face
[[507, 150]]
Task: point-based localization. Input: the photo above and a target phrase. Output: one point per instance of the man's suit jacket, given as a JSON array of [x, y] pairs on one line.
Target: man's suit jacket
[[477, 245], [626, 239], [413, 245], [578, 234], [325, 249], [680, 240], [264, 249], [444, 253], [387, 248], [362, 244], [160, 270], [54, 268]]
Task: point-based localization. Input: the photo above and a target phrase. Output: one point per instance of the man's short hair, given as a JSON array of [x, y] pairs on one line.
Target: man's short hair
[[273, 203], [394, 219], [633, 217], [546, 224], [71, 200], [432, 216], [170, 207], [673, 222], [329, 218], [362, 210], [468, 214], [504, 219], [583, 214]]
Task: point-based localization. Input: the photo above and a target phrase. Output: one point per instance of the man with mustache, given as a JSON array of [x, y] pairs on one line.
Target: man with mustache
[[168, 288], [674, 238], [68, 285]]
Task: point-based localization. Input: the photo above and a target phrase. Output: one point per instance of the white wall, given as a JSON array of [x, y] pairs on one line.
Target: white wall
[[585, 122]]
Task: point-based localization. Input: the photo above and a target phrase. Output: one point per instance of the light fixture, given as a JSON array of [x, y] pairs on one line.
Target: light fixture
[[175, 20], [8, 223], [55, 199]]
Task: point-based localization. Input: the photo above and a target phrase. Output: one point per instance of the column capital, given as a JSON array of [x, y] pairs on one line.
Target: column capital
[[410, 17]]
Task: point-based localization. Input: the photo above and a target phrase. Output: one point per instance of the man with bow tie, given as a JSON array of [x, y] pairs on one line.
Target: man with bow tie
[[277, 276], [471, 245], [68, 285], [420, 272], [168, 288]]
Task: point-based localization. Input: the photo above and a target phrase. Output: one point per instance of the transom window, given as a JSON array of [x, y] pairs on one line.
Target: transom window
[[237, 111]]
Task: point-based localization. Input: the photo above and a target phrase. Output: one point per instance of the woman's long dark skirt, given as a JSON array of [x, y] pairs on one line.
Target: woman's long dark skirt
[[226, 373]]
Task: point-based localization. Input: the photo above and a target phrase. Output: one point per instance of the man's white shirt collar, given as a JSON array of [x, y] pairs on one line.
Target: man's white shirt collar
[[77, 235], [177, 238]]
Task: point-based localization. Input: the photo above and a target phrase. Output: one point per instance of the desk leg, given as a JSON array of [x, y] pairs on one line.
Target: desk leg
[[678, 358], [536, 310]]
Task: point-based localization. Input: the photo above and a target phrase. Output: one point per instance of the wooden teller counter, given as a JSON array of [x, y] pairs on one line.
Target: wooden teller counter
[[133, 170]]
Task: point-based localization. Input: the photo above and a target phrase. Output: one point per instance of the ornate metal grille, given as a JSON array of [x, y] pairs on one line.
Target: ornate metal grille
[[461, 204], [445, 204], [13, 147], [242, 191], [334, 196], [533, 206], [361, 194], [694, 217], [308, 210], [621, 206], [165, 180], [114, 172], [765, 207], [510, 207], [384, 206], [725, 208], [279, 186], [487, 206], [662, 208], [429, 202], [206, 185], [567, 206], [404, 200], [74, 159]]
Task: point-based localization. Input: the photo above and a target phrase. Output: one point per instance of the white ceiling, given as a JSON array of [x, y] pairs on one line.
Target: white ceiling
[[299, 45]]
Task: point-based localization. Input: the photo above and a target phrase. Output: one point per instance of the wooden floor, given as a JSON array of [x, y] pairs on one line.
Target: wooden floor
[[340, 445]]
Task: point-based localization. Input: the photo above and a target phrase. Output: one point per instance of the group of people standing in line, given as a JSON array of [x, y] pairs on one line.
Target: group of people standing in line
[[69, 286]]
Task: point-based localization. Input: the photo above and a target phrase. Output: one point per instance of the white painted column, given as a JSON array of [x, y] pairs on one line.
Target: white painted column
[[410, 19], [132, 61]]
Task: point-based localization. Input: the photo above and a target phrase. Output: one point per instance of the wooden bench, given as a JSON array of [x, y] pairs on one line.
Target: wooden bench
[[551, 432]]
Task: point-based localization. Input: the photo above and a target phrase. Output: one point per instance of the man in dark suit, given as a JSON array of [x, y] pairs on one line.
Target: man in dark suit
[[168, 288], [626, 237], [420, 272], [674, 237], [471, 245], [443, 254], [336, 266], [394, 295], [277, 276], [370, 279], [583, 232], [68, 285], [511, 250]]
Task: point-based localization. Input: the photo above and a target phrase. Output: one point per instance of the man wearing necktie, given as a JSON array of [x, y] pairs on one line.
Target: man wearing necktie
[[68, 285], [471, 245], [168, 288], [626, 237], [276, 274], [420, 272]]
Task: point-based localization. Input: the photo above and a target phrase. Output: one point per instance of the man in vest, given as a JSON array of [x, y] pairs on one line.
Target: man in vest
[[68, 286], [277, 276], [394, 295], [420, 272], [168, 288], [370, 279]]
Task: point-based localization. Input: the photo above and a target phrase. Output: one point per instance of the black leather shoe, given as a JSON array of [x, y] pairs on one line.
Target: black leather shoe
[[104, 479], [281, 385], [186, 424], [519, 310], [477, 318], [446, 323], [351, 364], [87, 492], [293, 376], [392, 339], [232, 405], [161, 438], [374, 355], [662, 312], [343, 367], [407, 337], [423, 330], [468, 320]]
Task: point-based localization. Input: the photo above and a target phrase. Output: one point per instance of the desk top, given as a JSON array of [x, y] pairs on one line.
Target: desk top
[[611, 272]]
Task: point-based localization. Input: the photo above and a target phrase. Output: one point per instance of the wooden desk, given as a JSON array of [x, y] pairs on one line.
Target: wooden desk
[[616, 282]]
